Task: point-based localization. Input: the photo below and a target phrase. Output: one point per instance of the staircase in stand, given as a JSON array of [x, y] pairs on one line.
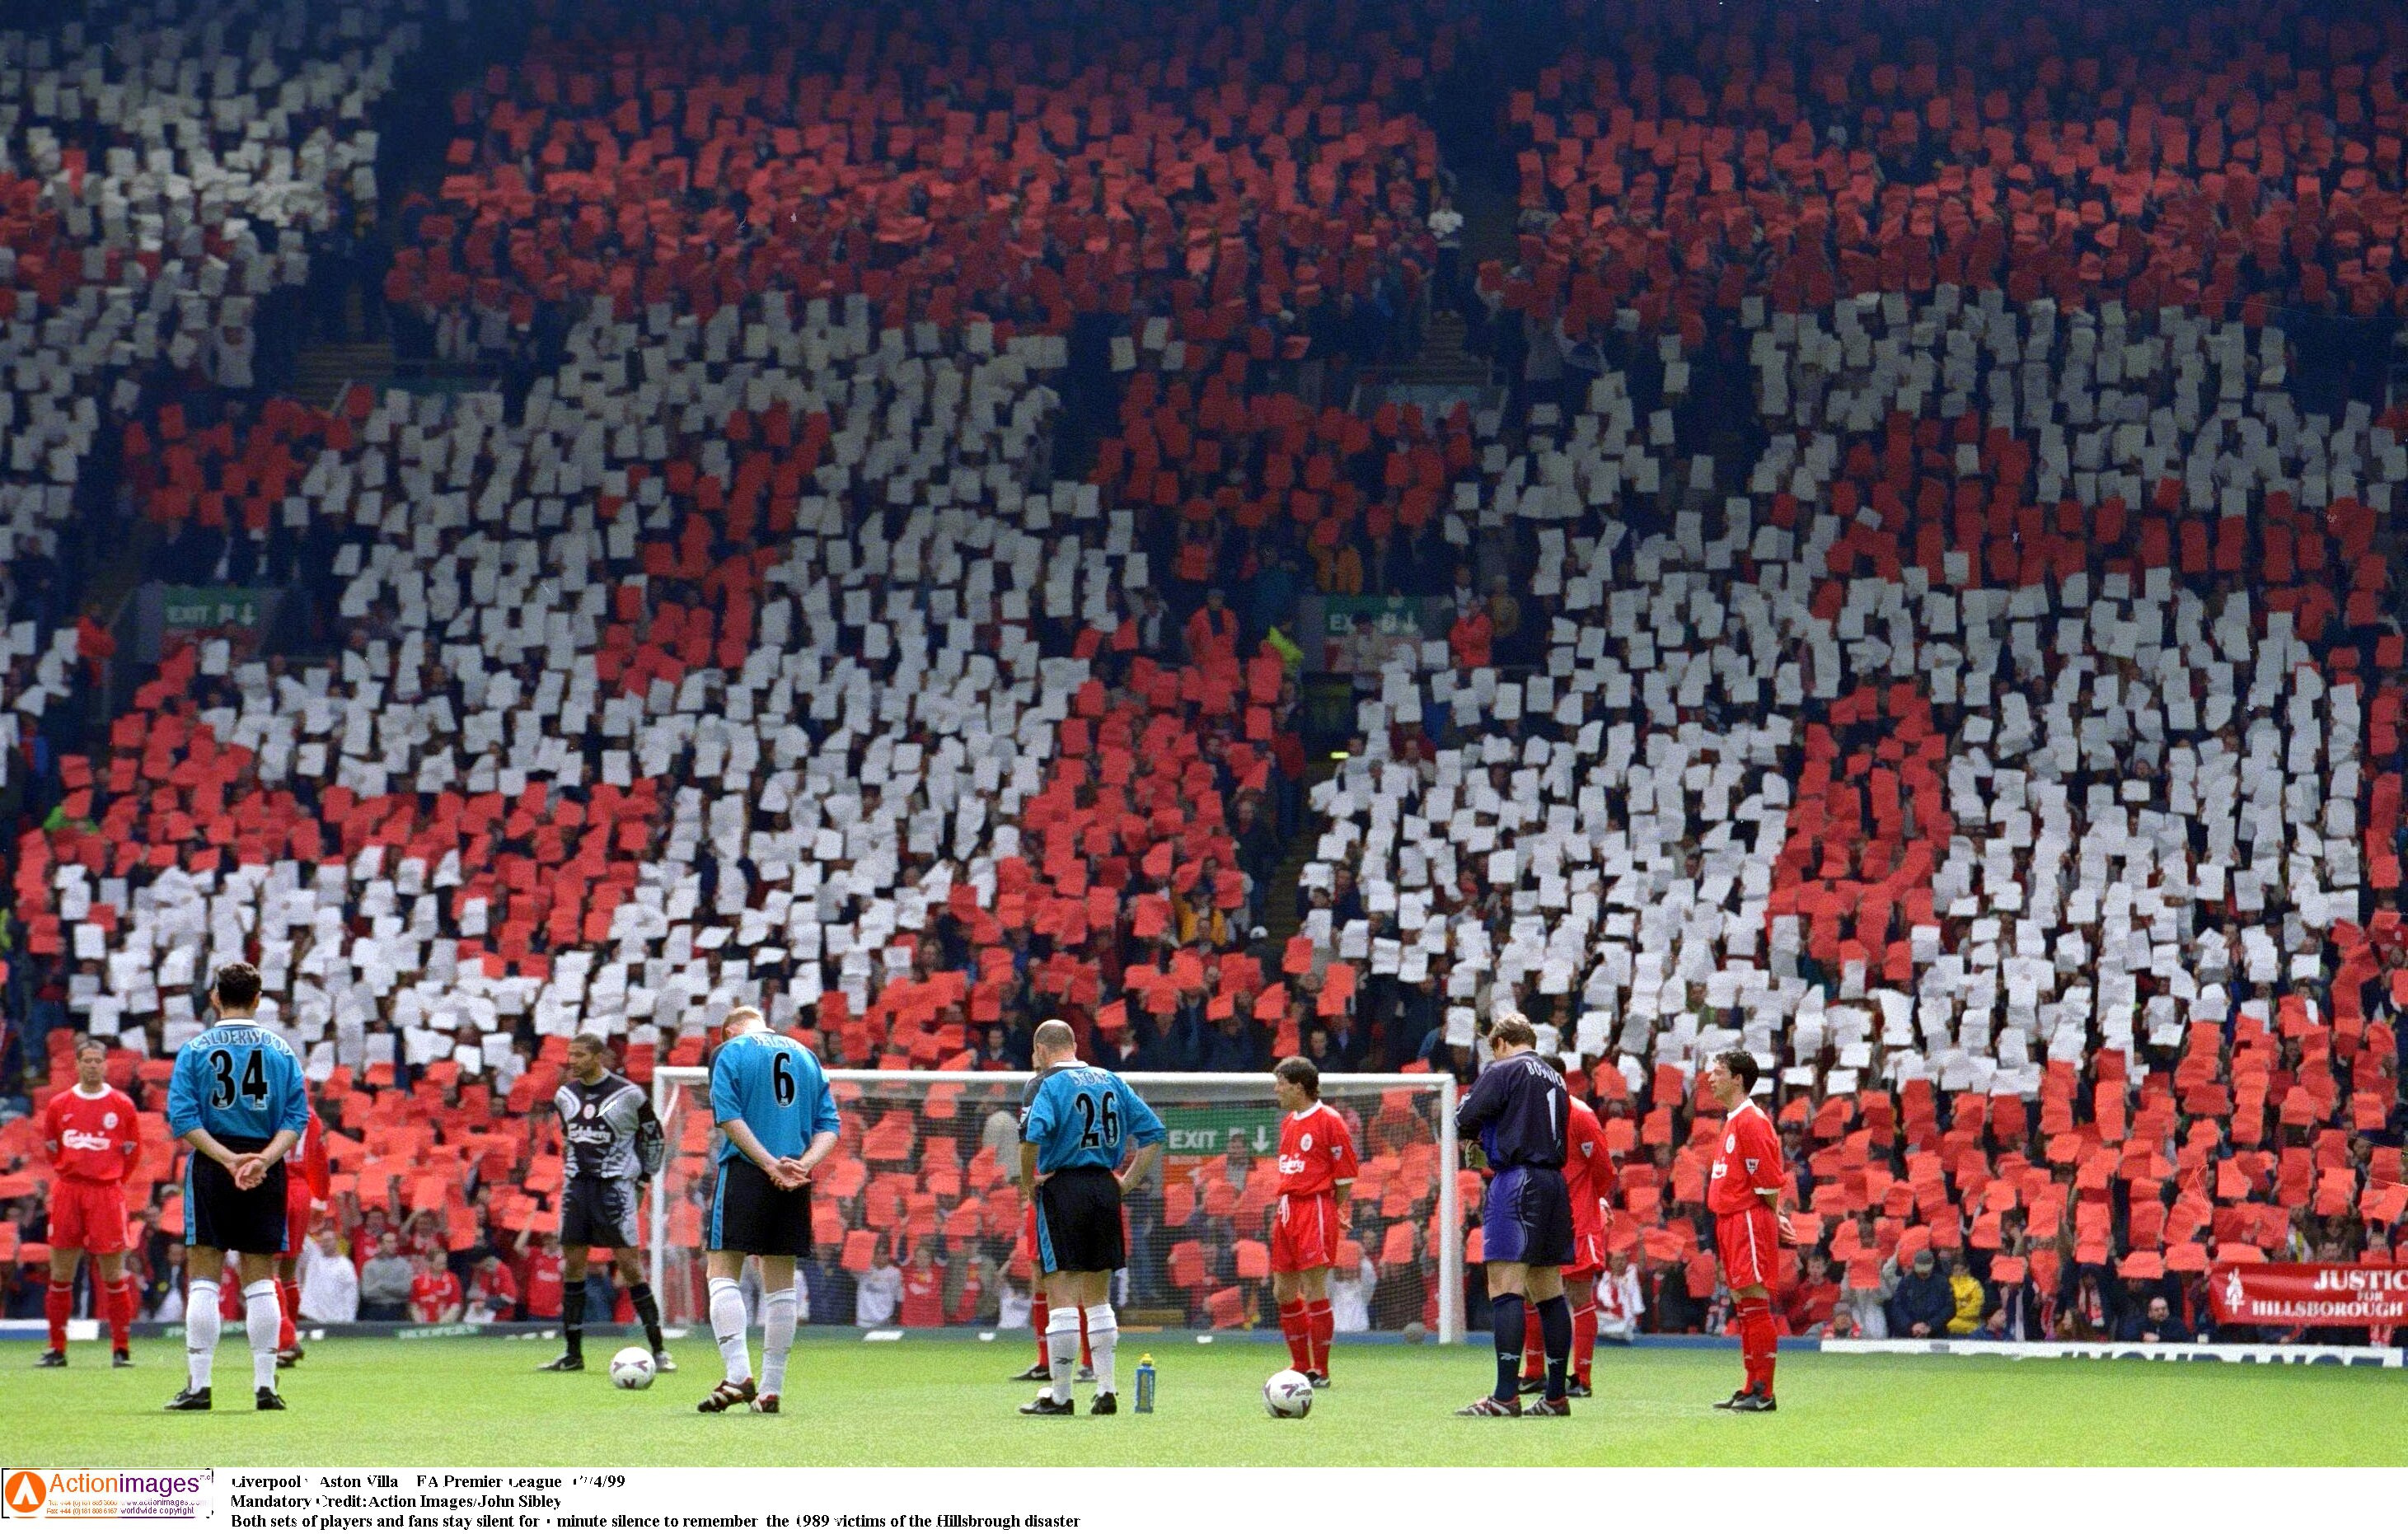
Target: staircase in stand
[[1442, 361], [321, 372], [1281, 907]]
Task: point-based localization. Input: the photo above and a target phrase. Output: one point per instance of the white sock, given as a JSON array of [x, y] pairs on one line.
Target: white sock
[[200, 1331], [1062, 1348], [263, 1316], [776, 1340], [1103, 1332], [727, 1325]]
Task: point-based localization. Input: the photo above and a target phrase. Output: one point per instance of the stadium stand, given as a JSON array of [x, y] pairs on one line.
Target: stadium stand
[[159, 186], [1816, 155], [1922, 609], [2089, 828], [1022, 166]]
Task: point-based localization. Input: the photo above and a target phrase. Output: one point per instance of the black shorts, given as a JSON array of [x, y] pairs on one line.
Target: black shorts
[[753, 1215], [220, 1215], [1079, 1222], [601, 1211]]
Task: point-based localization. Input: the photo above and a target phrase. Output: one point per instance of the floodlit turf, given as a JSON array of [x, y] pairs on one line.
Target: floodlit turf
[[480, 1402]]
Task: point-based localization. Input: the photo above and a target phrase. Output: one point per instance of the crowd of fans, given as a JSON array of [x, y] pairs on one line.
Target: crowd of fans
[[1900, 619], [1678, 158]]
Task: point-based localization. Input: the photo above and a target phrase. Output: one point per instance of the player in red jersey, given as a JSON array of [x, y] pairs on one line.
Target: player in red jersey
[[305, 1188], [1588, 1171], [1317, 1167], [94, 1141], [1747, 1195]]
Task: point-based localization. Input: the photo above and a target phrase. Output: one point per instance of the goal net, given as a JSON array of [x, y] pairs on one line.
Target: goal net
[[922, 1187]]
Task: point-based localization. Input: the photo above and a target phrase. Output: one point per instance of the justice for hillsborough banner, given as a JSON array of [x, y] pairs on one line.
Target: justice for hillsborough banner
[[2310, 1294]]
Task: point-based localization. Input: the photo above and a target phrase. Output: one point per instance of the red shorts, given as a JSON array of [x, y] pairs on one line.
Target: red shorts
[[88, 1215], [1588, 1253], [1305, 1235], [296, 1216], [1749, 1243]]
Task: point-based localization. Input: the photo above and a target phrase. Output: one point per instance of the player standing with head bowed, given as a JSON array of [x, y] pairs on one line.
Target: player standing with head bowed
[[236, 1098], [94, 1141], [613, 1143], [1519, 1108], [1077, 1118], [1746, 1194], [778, 1119], [1317, 1167]]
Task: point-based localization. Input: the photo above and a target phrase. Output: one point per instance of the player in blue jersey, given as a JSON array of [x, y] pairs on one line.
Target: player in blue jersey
[[1520, 1110], [772, 1104], [1078, 1120], [236, 1098]]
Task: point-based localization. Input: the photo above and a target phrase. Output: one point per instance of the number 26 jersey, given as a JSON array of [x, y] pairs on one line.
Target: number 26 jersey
[[1080, 1116]]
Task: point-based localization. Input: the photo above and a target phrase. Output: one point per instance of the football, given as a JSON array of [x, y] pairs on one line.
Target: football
[[631, 1368], [1287, 1394]]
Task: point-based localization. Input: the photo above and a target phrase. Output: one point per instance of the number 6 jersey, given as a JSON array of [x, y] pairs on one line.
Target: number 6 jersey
[[777, 1087]]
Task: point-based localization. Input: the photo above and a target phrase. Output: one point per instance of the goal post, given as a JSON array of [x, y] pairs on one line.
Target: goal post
[[926, 1176]]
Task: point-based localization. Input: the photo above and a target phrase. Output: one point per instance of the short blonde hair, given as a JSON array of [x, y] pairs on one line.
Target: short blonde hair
[[745, 1019]]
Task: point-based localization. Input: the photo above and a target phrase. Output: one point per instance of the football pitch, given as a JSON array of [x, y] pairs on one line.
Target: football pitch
[[480, 1402]]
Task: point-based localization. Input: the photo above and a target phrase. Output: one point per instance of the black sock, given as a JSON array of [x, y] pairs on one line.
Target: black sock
[[1505, 1319], [648, 1310], [1556, 1330], [572, 1317]]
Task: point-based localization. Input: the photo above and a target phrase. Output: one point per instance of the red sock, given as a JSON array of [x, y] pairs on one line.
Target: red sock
[[1296, 1330], [1038, 1314], [1767, 1343], [286, 1338], [1086, 1355], [120, 1314], [1756, 1341], [58, 1303], [1744, 1322], [1583, 1340], [1323, 1326], [1534, 1345]]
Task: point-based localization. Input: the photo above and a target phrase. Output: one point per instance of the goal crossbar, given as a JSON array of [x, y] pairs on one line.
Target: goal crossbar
[[671, 1082]]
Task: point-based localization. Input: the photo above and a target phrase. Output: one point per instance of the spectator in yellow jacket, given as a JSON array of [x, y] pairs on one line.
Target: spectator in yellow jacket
[[1968, 1292]]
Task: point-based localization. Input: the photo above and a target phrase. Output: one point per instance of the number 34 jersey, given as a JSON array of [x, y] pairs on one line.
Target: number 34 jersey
[[777, 1087], [1080, 1116], [238, 1081]]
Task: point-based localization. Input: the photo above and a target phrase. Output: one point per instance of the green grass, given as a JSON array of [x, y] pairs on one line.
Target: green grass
[[480, 1402]]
